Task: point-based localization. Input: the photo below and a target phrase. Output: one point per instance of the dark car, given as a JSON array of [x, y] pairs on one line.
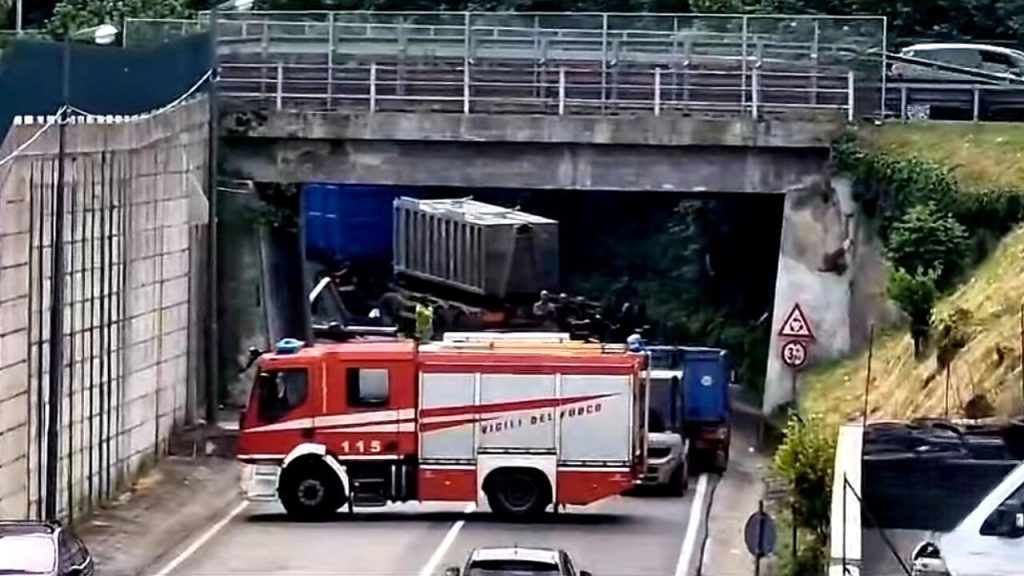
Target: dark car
[[42, 548]]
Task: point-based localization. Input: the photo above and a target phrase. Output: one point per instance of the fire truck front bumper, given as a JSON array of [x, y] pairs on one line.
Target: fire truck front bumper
[[259, 482]]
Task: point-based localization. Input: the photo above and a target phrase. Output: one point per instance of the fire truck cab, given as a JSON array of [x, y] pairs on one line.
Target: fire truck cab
[[368, 423]]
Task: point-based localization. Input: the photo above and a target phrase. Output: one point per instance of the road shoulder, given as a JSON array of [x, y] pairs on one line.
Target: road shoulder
[[159, 513], [736, 497]]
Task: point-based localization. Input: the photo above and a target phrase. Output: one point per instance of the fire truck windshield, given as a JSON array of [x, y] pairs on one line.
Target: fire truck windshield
[[279, 392]]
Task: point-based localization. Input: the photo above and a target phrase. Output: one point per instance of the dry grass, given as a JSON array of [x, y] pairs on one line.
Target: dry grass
[[902, 387], [983, 156]]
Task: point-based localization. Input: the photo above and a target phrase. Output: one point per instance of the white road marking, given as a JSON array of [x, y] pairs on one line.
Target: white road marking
[[442, 548], [203, 539], [692, 527]]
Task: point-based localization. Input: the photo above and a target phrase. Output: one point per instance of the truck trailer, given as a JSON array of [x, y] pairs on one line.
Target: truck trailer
[[479, 266], [690, 394], [364, 423]]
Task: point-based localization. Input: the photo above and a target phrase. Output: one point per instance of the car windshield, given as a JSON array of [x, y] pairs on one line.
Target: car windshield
[[27, 554], [511, 568]]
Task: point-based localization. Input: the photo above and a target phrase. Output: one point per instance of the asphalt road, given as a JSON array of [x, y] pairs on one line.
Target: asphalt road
[[628, 536]]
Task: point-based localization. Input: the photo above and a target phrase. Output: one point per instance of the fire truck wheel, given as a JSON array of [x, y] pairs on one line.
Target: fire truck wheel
[[309, 490], [518, 492]]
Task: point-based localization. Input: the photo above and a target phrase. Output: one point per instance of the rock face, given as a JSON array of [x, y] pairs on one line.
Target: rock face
[[831, 264]]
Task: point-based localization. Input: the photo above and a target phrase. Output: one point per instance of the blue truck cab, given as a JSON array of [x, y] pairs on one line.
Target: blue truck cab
[[698, 405]]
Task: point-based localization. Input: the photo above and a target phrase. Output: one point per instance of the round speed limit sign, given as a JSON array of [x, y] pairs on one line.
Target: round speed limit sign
[[794, 353]]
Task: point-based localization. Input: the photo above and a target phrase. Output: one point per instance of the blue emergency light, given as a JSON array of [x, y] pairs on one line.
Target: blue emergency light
[[288, 346]]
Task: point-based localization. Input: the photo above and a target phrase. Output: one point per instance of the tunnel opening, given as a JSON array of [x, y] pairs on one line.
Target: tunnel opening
[[702, 266]]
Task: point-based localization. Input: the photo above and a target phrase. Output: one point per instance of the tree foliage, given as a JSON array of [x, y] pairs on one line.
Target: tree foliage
[[916, 294], [927, 239], [71, 15], [804, 460]]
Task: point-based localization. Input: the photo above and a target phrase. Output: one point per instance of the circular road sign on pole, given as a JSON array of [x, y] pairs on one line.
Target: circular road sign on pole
[[794, 354]]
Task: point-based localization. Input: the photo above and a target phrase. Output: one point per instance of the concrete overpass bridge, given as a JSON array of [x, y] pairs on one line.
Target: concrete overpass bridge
[[691, 104]]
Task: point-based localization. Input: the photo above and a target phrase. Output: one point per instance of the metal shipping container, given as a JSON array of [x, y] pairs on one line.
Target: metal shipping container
[[477, 247], [349, 222]]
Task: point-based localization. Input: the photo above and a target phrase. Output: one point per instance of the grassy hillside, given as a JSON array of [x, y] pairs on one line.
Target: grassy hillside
[[983, 157]]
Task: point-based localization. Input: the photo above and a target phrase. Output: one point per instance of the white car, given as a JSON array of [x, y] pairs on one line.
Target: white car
[[517, 561], [981, 57]]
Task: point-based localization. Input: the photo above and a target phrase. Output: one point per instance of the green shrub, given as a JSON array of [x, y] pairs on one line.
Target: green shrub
[[804, 460], [916, 295], [926, 239]]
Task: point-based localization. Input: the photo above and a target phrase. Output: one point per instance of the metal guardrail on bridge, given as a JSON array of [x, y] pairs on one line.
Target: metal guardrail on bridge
[[542, 63], [530, 90]]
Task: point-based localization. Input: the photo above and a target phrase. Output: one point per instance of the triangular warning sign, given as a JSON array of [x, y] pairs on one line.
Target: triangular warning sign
[[796, 325]]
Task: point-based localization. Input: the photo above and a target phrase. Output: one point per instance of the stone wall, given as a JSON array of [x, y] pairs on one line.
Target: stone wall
[[133, 283]]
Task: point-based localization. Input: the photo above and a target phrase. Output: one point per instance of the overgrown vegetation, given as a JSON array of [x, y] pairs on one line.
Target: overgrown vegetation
[[932, 227], [804, 461]]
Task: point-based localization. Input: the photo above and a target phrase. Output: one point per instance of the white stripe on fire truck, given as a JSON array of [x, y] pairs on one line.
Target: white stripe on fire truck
[[338, 420], [409, 426]]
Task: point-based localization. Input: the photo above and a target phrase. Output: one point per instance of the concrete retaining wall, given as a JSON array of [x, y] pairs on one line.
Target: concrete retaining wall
[[134, 206], [831, 264]]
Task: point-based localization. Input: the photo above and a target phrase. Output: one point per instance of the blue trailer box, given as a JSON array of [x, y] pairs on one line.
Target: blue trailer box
[[350, 222], [706, 375]]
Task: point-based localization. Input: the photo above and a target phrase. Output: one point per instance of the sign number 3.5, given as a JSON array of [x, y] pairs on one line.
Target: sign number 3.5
[[361, 447]]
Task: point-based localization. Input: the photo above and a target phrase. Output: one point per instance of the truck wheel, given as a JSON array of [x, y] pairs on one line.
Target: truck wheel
[[518, 493], [679, 482], [309, 490], [721, 460]]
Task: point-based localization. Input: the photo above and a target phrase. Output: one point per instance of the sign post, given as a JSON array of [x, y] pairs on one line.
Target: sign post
[[759, 534], [797, 333]]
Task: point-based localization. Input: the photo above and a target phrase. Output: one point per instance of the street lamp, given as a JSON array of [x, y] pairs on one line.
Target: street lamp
[[103, 34]]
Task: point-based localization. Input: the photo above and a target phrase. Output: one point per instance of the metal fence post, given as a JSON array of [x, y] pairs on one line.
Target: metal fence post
[[903, 103], [743, 65], [885, 64], [814, 60], [465, 64], [850, 95], [465, 90], [975, 111], [330, 60], [373, 87], [561, 91], [604, 59], [755, 97], [657, 91], [280, 85]]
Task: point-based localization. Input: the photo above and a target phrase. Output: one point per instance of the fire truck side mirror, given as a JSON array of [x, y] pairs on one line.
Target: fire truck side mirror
[[254, 353]]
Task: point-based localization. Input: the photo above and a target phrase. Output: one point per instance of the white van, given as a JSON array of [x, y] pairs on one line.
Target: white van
[[988, 542]]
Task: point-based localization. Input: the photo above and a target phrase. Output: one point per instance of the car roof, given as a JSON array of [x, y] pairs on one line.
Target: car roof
[[962, 46], [516, 553], [26, 527]]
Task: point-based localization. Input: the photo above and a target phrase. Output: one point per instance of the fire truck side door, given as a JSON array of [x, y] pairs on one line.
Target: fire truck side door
[[362, 416]]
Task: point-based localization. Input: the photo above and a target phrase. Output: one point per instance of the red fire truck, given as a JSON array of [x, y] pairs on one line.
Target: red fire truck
[[368, 423]]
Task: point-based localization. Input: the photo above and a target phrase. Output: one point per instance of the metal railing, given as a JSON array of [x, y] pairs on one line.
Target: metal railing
[[563, 90], [548, 63], [955, 101], [601, 37]]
